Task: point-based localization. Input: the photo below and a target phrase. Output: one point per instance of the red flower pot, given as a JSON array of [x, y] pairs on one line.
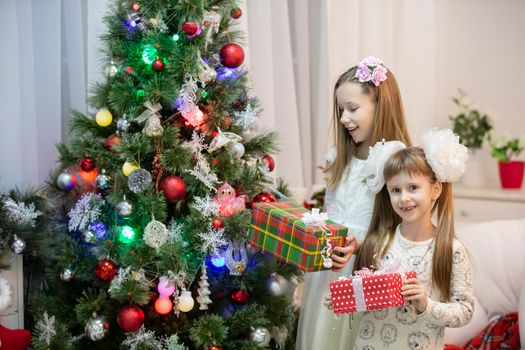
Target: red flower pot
[[511, 174]]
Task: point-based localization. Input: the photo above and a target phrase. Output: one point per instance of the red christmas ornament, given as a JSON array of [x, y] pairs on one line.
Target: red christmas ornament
[[232, 55], [214, 162], [264, 197], [269, 162], [214, 134], [239, 296], [87, 164], [236, 13], [190, 28], [157, 65], [130, 318], [106, 270], [217, 223], [214, 347], [129, 70], [112, 140], [135, 6], [174, 188]]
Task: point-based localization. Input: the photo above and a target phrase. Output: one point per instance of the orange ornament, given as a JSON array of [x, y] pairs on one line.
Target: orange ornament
[[163, 305]]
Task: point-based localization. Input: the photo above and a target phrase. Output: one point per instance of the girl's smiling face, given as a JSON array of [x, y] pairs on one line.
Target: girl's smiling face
[[412, 196], [357, 110]]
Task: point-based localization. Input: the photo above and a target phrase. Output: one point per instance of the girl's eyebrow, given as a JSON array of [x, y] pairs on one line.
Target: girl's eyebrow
[[349, 104]]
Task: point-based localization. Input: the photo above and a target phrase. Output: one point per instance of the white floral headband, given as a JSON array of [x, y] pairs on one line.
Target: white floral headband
[[371, 69], [445, 155]]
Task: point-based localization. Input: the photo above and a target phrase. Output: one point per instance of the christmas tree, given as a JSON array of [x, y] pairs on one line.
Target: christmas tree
[[151, 202]]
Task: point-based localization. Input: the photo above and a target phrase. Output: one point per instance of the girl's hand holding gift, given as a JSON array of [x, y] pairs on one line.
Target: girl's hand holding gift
[[347, 251], [328, 302], [415, 293]]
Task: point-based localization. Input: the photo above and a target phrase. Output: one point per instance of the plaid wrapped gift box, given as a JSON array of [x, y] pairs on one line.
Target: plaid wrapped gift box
[[277, 228], [369, 292]]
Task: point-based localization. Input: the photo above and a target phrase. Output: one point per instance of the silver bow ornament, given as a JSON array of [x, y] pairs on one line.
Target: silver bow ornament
[[151, 116]]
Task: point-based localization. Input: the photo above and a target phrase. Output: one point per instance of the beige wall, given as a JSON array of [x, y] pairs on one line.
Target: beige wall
[[481, 48]]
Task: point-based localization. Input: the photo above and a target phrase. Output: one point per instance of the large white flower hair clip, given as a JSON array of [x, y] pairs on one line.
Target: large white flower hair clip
[[375, 163], [443, 151], [445, 154], [371, 69]]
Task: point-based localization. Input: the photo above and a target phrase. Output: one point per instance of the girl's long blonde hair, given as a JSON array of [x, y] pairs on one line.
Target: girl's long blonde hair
[[384, 222], [389, 121]]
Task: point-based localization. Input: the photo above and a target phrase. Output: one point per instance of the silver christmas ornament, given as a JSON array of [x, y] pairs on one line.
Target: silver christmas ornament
[[236, 258], [67, 274], [153, 126], [125, 208], [18, 245], [112, 69], [277, 285], [238, 149], [88, 236], [139, 180], [65, 182], [123, 124], [155, 234], [207, 74], [261, 336], [96, 328], [103, 181]]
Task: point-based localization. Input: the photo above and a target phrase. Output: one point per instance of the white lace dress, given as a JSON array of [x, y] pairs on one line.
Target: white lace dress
[[350, 204]]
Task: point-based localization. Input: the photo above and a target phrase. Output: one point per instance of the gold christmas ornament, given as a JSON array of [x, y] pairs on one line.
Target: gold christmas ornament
[[130, 166], [104, 117]]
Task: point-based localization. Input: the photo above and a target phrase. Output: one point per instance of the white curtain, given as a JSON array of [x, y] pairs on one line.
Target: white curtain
[[43, 70]]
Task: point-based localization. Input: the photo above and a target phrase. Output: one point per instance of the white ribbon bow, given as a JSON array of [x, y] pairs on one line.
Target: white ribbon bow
[[315, 218], [151, 111]]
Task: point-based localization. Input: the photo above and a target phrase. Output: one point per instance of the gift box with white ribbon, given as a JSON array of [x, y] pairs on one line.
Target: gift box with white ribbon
[[368, 291]]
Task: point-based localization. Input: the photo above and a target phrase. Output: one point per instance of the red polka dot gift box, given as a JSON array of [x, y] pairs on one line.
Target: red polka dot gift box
[[368, 292]]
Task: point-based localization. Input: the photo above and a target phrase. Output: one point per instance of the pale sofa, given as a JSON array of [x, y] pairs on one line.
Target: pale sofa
[[497, 249]]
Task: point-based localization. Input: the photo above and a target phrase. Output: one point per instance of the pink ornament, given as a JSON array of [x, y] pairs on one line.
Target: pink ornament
[[165, 287], [229, 204]]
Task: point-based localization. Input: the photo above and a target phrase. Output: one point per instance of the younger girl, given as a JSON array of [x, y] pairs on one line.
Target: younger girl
[[418, 183], [367, 107]]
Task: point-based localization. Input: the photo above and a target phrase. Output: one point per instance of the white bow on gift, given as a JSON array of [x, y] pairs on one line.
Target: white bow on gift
[[317, 218]]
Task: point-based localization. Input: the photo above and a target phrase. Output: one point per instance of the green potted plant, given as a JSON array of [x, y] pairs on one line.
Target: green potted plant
[[505, 149], [471, 126]]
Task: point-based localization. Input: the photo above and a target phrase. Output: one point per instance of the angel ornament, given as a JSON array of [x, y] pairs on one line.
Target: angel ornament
[[229, 203]]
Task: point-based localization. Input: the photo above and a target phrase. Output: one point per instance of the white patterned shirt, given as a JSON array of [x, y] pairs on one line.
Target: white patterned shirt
[[401, 327]]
